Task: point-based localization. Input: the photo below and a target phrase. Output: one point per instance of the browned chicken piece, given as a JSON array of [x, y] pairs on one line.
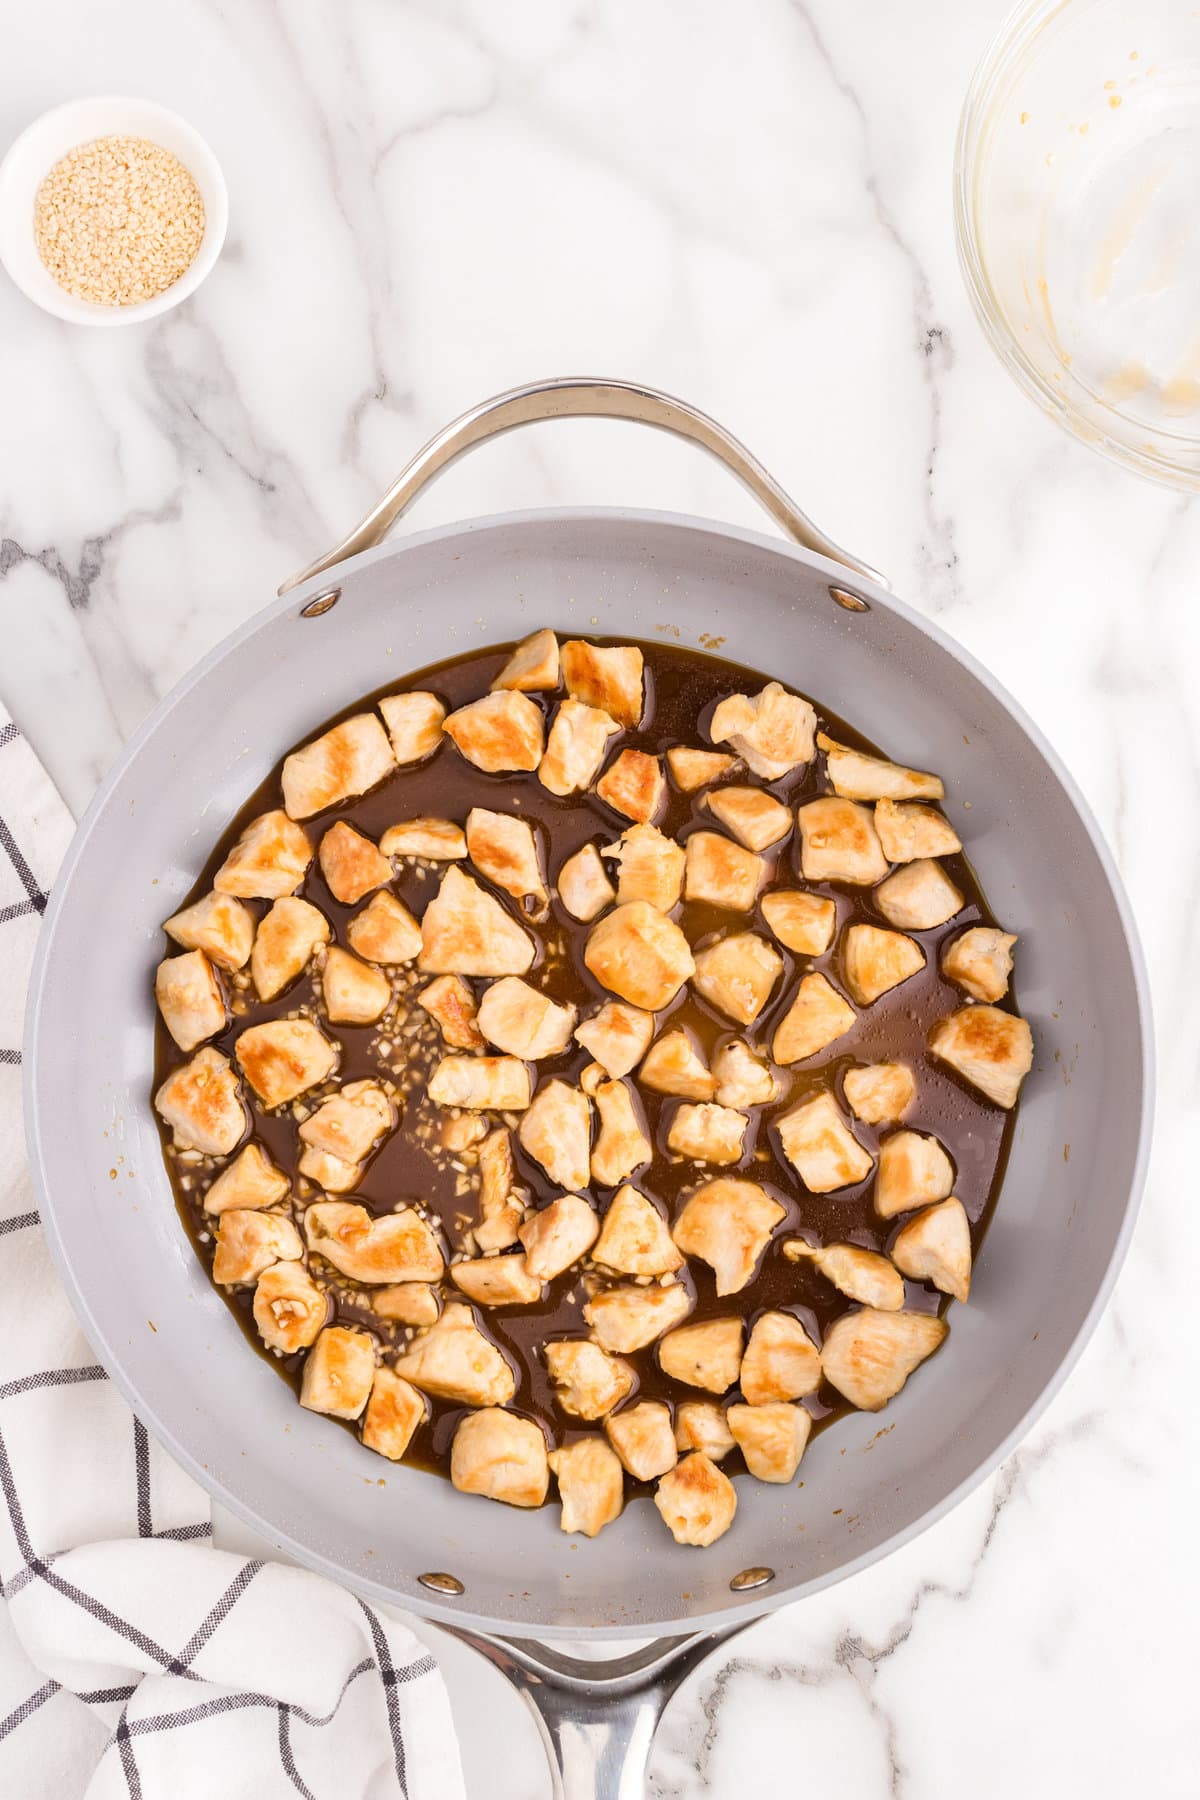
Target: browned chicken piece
[[609, 678], [284, 1058], [821, 1147], [640, 955], [743, 1079], [617, 1035], [634, 1239], [878, 1093], [501, 1201], [406, 1303], [980, 962], [448, 1000], [868, 1356], [627, 1318], [700, 1425], [289, 1308], [189, 998], [773, 732], [876, 961], [818, 1016], [781, 1361], [839, 842], [355, 992], [250, 1181], [633, 784], [338, 1373], [707, 1355], [497, 1280], [913, 1169], [771, 1437], [721, 873], [859, 1274], [394, 1411], [384, 932], [856, 776], [756, 820], [693, 769], [649, 867], [990, 1049], [696, 1501], [706, 1133], [575, 748], [557, 1133], [583, 886], [802, 922], [269, 859], [737, 975], [466, 931], [501, 733], [343, 762], [462, 1132], [351, 1122], [558, 1236], [453, 1360], [500, 1456], [728, 1223], [587, 1381], [249, 1242], [217, 924], [918, 896], [935, 1245], [202, 1103], [533, 665], [481, 1083], [621, 1144], [524, 1022], [397, 1246], [351, 864], [644, 1439], [283, 947], [414, 723], [333, 1174], [505, 851], [436, 840], [591, 1485], [674, 1065], [909, 831]]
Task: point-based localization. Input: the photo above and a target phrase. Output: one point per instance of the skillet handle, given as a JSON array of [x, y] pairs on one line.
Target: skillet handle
[[585, 398]]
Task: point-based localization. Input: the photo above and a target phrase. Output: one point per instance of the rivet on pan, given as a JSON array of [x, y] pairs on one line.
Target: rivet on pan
[[322, 604], [751, 1578], [851, 602], [442, 1584]]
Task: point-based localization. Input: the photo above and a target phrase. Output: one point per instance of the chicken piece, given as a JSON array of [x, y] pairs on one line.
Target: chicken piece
[[497, 1280], [343, 762], [627, 1318], [878, 1093], [533, 665], [644, 1439], [649, 867], [189, 998], [587, 1381], [481, 1083], [434, 840], [935, 1245], [838, 842], [640, 955], [868, 1356], [217, 924], [817, 1017], [338, 1373], [289, 1308], [351, 1122], [351, 864], [608, 677], [618, 1036], [591, 1485], [202, 1103], [449, 1000], [700, 1425], [556, 1237], [384, 932], [859, 1274], [721, 873], [517, 1018], [990, 1049], [250, 1181], [674, 1065], [501, 733], [802, 922], [708, 1134], [355, 992], [918, 896], [633, 784], [876, 961], [771, 1437], [407, 1303], [249, 1242], [756, 820], [501, 1201], [737, 974], [909, 831], [856, 776], [557, 1133], [333, 1174], [504, 850], [728, 1223], [398, 1246], [394, 1410], [781, 1361], [621, 1143], [462, 1132], [575, 748], [773, 732], [283, 948], [913, 1170], [980, 962], [414, 723], [693, 769], [634, 1239], [707, 1355], [821, 1147], [742, 1078], [466, 931], [500, 1456], [583, 887], [453, 1360], [270, 858], [696, 1501]]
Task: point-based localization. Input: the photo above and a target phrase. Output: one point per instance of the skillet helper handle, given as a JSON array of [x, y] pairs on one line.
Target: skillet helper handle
[[584, 398]]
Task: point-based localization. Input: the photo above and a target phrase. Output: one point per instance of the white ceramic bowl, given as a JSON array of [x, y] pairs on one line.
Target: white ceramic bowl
[[39, 147]]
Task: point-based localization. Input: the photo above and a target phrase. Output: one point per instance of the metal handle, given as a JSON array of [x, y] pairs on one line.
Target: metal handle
[[585, 398]]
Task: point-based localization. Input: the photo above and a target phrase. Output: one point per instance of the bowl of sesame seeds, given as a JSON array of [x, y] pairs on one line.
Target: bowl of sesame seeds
[[112, 210]]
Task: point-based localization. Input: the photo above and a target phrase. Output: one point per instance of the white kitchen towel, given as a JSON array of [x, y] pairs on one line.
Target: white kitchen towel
[[135, 1659]]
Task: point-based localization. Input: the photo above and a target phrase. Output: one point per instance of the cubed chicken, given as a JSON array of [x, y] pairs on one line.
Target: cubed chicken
[[462, 1132], [394, 1411], [289, 1308], [700, 1425], [878, 1093], [425, 838], [838, 842], [504, 850], [649, 867], [249, 1242], [406, 1303], [609, 677], [351, 864], [756, 820], [497, 1280], [501, 1201], [868, 1356], [781, 1361], [583, 886], [338, 1373], [627, 1318], [251, 1180], [500, 1456], [622, 1144], [640, 955], [859, 1274], [518, 1019], [696, 1501], [918, 896], [817, 1017], [466, 931], [588, 1382], [821, 1147], [772, 732], [644, 1439], [575, 748], [270, 858], [591, 1485], [189, 998], [501, 733], [557, 1132], [913, 1170], [343, 762], [802, 922], [283, 947], [737, 975], [355, 992], [202, 1103], [743, 1079], [448, 1000], [634, 1239], [990, 1049], [533, 665], [414, 723], [558, 1236], [634, 785], [481, 1083], [728, 1223], [384, 932], [705, 1133], [980, 962], [721, 873], [693, 769], [856, 776], [454, 1360], [875, 961], [771, 1437], [617, 1035], [707, 1355], [674, 1065], [396, 1246], [351, 1122], [217, 924], [935, 1245], [333, 1174], [909, 831]]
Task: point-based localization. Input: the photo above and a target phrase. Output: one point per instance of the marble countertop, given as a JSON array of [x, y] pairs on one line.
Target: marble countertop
[[433, 203]]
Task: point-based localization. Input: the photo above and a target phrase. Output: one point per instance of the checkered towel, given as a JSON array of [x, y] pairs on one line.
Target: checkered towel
[[135, 1659]]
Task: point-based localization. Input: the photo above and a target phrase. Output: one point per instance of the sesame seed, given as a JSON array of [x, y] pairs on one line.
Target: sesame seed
[[118, 220]]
